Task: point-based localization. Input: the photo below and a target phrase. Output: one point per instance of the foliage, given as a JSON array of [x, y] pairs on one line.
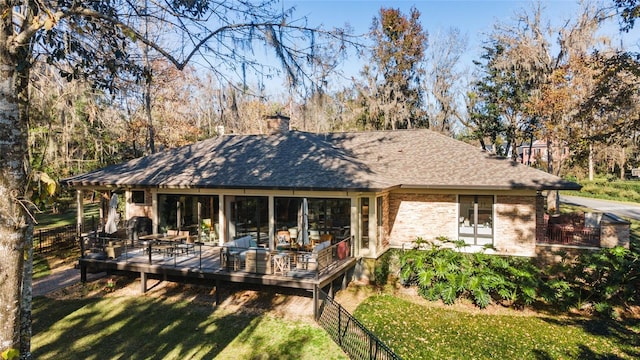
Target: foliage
[[444, 273], [381, 270], [603, 279], [629, 11], [10, 354], [392, 97], [422, 331], [612, 190]]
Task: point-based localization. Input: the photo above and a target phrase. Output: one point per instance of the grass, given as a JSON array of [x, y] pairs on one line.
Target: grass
[[156, 328], [47, 219], [417, 331], [628, 190]]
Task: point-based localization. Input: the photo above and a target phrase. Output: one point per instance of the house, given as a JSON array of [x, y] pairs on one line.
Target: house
[[381, 189], [536, 152]]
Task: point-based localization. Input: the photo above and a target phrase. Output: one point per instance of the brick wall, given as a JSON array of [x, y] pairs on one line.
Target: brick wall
[[515, 225], [413, 215], [140, 209]]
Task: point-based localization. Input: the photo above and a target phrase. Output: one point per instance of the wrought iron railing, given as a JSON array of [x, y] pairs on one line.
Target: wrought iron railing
[[353, 337], [49, 239], [563, 234]]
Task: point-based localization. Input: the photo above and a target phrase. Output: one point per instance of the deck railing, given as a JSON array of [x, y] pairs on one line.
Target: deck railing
[[353, 337], [211, 256], [562, 234]]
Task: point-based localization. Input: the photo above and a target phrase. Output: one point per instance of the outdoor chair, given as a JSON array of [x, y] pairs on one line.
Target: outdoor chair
[[283, 240], [187, 244]]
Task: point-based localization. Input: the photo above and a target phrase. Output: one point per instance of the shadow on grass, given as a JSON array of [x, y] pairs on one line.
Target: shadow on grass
[[145, 327], [619, 332]]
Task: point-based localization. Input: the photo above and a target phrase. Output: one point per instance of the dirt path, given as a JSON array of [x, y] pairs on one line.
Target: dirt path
[[60, 277]]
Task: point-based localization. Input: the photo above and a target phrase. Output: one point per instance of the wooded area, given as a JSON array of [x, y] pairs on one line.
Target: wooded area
[[92, 84]]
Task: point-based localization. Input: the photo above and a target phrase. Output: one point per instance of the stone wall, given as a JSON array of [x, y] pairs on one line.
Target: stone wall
[[614, 231]]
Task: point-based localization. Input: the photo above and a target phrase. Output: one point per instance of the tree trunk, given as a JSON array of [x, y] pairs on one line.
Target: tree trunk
[[27, 285], [590, 161], [27, 297], [13, 165]]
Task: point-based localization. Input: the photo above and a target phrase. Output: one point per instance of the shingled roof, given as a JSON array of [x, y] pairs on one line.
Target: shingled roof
[[355, 161]]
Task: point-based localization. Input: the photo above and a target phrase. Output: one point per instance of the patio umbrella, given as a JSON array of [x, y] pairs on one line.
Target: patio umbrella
[[112, 217], [305, 223]]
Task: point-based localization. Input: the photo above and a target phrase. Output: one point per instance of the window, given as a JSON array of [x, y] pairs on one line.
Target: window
[[324, 216], [250, 216], [364, 223], [137, 197], [475, 221], [181, 212]]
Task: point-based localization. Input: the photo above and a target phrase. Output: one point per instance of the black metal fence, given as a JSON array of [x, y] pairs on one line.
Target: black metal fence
[[349, 333], [49, 239]]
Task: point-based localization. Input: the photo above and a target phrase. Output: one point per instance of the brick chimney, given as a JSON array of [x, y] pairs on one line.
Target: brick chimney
[[277, 124]]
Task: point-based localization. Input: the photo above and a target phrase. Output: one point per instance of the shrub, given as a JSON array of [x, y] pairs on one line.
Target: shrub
[[447, 274], [605, 279], [381, 270]]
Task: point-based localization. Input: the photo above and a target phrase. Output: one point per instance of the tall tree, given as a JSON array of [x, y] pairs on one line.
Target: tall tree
[[392, 95], [94, 40], [443, 79]]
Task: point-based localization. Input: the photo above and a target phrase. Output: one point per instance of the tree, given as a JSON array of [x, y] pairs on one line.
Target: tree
[[442, 93], [392, 95], [629, 11], [96, 40]]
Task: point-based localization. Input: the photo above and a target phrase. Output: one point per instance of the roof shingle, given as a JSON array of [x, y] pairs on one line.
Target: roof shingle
[[354, 161]]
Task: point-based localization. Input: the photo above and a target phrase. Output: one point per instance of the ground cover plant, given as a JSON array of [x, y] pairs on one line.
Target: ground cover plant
[[144, 327], [598, 282], [445, 273], [423, 331]]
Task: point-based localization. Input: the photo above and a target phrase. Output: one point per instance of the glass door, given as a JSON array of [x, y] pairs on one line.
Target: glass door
[[475, 219]]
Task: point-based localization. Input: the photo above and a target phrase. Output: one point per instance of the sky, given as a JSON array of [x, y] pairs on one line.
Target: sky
[[474, 18]]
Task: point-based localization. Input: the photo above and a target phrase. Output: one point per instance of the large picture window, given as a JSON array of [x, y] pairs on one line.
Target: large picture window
[[323, 215], [250, 216], [475, 221], [180, 212]]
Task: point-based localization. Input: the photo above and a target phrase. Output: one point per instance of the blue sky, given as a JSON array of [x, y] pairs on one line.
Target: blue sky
[[475, 18]]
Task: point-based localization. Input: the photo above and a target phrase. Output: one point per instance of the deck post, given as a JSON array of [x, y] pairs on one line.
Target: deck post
[[315, 302], [344, 281], [83, 272], [143, 282], [217, 292]]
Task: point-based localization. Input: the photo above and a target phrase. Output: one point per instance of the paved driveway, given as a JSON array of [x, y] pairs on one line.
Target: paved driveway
[[623, 209]]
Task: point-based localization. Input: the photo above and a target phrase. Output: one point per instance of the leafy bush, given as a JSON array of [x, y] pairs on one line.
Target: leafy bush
[[381, 270], [447, 274], [604, 279]]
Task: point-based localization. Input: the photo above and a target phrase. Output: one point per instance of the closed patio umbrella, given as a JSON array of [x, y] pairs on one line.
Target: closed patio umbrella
[[305, 223], [112, 217]]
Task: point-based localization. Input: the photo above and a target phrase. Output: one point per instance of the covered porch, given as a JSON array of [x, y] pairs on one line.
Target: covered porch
[[215, 264]]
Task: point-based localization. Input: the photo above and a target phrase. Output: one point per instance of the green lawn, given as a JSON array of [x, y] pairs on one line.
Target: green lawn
[[155, 328], [47, 219], [417, 331]]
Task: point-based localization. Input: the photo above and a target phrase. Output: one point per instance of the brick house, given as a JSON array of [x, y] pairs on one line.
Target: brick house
[[536, 153], [383, 189]]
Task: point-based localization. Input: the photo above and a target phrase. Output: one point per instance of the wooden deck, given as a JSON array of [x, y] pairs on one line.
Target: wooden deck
[[204, 263]]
